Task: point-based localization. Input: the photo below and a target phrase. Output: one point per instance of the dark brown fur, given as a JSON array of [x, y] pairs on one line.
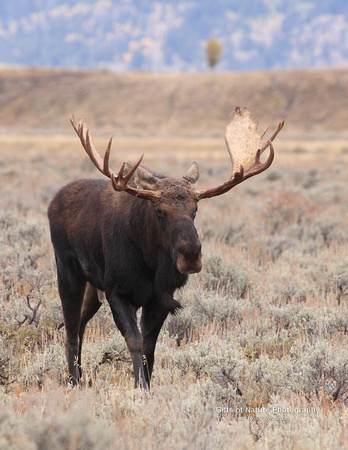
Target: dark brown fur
[[129, 248]]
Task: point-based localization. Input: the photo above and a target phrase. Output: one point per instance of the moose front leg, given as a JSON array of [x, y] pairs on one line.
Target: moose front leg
[[152, 319], [125, 318]]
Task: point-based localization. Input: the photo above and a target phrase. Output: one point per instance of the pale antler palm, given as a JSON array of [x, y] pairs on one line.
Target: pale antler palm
[[245, 147]]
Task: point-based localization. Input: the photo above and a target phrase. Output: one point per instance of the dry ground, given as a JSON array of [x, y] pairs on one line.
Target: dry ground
[[257, 359], [312, 102]]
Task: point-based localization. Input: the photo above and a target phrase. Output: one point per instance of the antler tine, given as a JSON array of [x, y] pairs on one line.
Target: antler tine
[[119, 181], [74, 123], [257, 166], [106, 168], [123, 180], [262, 135], [93, 154], [274, 135], [279, 127], [81, 129]]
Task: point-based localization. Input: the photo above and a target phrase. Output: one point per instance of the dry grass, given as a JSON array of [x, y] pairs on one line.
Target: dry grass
[[265, 323], [264, 326], [312, 102]]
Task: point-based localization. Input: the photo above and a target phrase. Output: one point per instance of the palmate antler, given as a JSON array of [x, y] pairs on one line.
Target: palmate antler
[[119, 181], [245, 147]]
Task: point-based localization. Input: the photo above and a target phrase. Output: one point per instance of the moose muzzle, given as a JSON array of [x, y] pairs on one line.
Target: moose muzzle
[[188, 257]]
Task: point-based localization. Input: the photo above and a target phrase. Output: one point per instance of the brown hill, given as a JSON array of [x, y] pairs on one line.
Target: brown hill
[[312, 102]]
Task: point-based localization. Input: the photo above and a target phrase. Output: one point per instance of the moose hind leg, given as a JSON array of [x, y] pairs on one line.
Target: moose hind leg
[[71, 290], [90, 306]]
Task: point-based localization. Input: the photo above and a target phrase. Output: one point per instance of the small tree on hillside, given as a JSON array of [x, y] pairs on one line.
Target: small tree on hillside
[[213, 50]]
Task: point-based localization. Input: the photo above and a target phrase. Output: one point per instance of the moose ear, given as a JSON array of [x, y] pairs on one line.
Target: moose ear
[[142, 177], [192, 174]]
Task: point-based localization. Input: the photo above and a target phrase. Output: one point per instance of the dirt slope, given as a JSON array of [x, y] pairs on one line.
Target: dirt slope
[[312, 102]]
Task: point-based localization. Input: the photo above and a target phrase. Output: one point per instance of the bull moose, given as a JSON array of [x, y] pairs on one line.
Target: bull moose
[[133, 240]]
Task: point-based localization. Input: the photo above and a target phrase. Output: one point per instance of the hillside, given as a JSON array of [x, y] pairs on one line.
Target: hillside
[[312, 102], [164, 36]]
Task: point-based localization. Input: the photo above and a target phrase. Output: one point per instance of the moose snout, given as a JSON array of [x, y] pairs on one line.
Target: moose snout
[[189, 257]]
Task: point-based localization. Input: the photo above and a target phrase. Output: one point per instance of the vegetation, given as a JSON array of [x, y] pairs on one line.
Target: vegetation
[[257, 358], [213, 50], [198, 105]]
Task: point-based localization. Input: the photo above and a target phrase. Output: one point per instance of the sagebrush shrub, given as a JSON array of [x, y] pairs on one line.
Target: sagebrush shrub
[[225, 276], [320, 369]]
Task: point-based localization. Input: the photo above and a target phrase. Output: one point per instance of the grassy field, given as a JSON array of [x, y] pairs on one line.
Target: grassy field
[[258, 358], [313, 102]]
